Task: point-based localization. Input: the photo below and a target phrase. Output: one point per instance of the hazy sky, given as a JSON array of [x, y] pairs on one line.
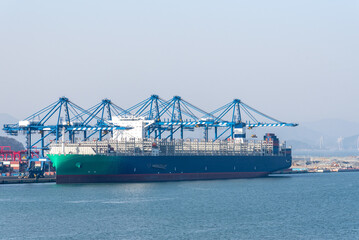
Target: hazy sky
[[295, 60]]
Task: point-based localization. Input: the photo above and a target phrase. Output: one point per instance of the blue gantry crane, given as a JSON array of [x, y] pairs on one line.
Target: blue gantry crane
[[100, 115], [184, 115], [231, 117], [54, 121], [63, 117], [169, 116], [178, 114], [149, 109]]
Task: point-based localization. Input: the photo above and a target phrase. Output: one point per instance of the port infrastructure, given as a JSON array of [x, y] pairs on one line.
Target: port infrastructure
[[178, 114], [6, 154], [239, 115], [102, 113], [60, 118], [169, 117]]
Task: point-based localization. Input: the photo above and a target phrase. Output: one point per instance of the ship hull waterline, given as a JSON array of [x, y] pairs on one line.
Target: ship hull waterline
[[74, 168], [153, 177]]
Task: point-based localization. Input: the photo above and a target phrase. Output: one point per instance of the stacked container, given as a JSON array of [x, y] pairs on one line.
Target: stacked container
[[15, 165], [272, 140]]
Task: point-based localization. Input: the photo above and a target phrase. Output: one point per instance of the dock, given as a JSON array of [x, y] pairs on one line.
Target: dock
[[17, 180]]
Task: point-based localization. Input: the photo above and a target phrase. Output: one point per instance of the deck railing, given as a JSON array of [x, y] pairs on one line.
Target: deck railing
[[152, 147]]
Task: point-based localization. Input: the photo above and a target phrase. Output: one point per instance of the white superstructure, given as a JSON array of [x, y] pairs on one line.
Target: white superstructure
[[138, 127]]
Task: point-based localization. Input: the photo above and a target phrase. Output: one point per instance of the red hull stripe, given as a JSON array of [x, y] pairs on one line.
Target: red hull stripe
[[155, 177]]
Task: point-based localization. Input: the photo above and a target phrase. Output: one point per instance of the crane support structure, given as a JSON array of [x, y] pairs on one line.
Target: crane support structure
[[100, 115], [51, 122], [235, 111], [178, 114], [168, 117], [149, 109]]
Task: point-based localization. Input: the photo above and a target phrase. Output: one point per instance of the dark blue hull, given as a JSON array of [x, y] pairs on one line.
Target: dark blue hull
[[103, 168]]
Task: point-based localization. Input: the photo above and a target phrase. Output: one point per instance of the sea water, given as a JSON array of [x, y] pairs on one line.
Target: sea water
[[296, 206]]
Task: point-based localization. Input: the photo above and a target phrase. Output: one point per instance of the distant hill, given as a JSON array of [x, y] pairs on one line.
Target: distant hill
[[334, 127], [298, 144], [8, 119], [13, 143], [307, 135], [351, 142]]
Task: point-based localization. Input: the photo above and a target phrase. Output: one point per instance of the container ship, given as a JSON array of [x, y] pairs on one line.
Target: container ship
[[124, 158]]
